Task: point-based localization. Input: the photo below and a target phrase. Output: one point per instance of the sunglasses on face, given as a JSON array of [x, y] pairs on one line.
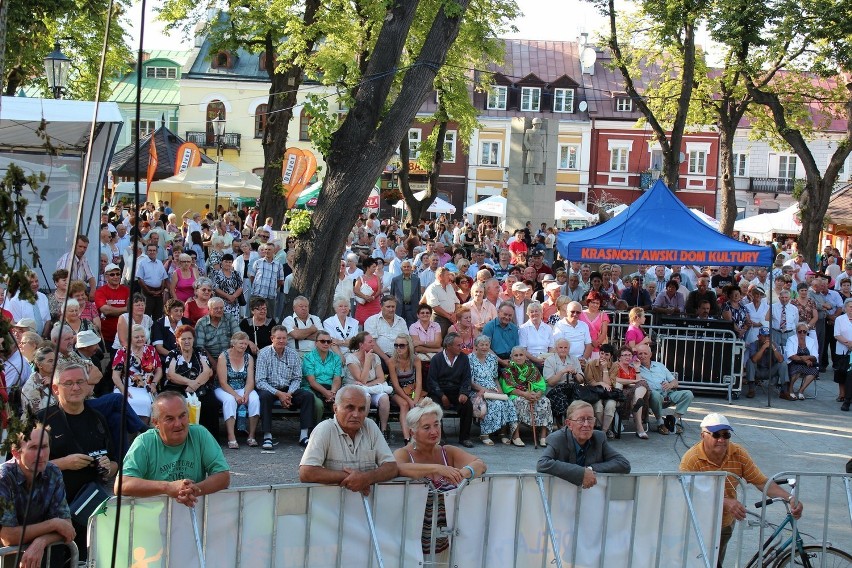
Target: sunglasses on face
[[400, 345], [324, 341], [726, 434]]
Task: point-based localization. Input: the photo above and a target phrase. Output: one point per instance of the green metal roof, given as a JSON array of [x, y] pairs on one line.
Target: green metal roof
[[154, 91]]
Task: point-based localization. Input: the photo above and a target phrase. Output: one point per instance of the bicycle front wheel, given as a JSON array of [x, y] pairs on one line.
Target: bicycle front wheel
[[812, 556]]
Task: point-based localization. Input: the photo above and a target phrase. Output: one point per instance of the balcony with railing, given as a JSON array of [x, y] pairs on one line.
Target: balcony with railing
[[771, 185], [230, 140]]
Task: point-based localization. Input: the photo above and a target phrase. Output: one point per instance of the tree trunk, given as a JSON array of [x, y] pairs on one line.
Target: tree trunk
[[282, 99], [366, 141], [728, 188]]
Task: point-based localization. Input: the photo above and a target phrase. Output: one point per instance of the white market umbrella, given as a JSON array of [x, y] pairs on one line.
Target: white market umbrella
[[706, 218], [494, 206], [438, 206], [201, 180], [565, 210]]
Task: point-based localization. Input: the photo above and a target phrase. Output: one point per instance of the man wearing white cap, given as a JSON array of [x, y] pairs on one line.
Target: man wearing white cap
[[111, 300], [715, 452], [519, 302]]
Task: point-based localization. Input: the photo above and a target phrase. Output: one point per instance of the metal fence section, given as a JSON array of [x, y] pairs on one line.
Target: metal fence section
[[705, 359], [825, 528], [500, 520], [9, 553]]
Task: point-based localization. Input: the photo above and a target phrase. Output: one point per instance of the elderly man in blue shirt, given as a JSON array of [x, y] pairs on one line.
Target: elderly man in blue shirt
[[662, 384], [503, 333]]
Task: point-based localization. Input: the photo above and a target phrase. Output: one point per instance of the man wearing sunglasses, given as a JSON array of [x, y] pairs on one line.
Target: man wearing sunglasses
[[715, 452]]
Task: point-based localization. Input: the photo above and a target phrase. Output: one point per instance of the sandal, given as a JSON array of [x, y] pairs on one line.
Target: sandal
[[252, 443], [679, 429], [542, 442], [610, 435], [486, 440], [642, 435], [839, 399], [518, 442], [505, 440], [663, 430], [233, 445]]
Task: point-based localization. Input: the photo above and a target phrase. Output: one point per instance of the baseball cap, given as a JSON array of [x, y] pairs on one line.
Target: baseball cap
[[520, 287], [87, 338], [763, 331], [714, 422], [28, 323], [548, 278], [552, 286], [537, 252], [110, 267]]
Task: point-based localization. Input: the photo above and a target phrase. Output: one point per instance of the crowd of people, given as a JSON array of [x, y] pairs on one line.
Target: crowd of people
[[426, 319]]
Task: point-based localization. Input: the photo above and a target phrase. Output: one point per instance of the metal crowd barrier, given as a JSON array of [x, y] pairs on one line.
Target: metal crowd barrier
[[705, 359], [826, 520], [500, 520], [9, 553]]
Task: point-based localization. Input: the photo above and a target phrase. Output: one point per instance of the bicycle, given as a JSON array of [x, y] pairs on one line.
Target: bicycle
[[777, 549]]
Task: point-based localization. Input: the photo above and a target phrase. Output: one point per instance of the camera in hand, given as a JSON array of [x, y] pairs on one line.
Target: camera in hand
[[95, 455]]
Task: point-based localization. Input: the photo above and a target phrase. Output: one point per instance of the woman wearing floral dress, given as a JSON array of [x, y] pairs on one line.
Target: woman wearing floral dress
[[525, 387], [144, 372], [501, 414], [228, 285], [734, 311]]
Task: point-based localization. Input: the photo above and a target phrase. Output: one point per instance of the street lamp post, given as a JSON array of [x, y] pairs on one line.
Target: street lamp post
[[56, 68], [219, 130]]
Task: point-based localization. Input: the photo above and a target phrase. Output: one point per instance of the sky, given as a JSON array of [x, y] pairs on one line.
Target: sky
[[562, 20]]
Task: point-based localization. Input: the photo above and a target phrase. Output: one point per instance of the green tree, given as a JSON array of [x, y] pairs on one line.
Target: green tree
[[33, 27], [666, 28], [385, 99]]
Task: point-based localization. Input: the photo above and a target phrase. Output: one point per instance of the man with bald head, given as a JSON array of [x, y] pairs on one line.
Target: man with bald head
[[575, 331]]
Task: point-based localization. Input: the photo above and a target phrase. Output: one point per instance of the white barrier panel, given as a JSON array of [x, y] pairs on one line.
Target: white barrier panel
[[497, 521], [635, 520]]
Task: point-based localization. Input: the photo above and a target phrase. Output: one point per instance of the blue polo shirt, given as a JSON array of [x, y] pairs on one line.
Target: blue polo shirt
[[503, 339]]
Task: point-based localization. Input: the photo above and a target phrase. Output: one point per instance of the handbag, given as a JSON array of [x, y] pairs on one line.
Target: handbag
[[613, 394], [241, 300], [480, 406], [87, 501], [584, 393], [365, 289]]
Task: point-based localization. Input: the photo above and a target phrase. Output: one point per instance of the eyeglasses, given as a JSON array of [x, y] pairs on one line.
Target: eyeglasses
[[324, 341], [400, 345], [726, 434], [72, 384], [586, 420]]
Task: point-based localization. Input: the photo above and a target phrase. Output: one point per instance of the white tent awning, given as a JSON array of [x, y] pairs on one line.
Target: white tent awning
[[201, 180], [438, 206], [765, 225], [494, 206], [565, 210]]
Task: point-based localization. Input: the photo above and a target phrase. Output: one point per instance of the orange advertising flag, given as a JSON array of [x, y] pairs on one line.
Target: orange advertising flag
[[188, 156], [152, 161], [292, 168], [310, 169]]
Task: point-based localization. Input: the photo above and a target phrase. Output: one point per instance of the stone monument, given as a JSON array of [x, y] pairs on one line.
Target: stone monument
[[532, 172]]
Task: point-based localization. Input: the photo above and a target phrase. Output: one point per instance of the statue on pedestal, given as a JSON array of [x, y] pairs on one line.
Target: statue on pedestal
[[535, 142]]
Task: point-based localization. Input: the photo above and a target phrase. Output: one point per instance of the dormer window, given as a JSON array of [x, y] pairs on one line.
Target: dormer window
[[530, 99], [222, 60], [563, 100], [152, 72], [623, 104]]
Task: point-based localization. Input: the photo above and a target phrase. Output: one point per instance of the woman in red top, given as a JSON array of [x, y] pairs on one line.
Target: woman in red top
[[636, 391], [368, 292], [196, 307]]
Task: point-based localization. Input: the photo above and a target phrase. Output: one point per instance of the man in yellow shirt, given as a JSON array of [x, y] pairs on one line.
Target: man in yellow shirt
[[715, 452]]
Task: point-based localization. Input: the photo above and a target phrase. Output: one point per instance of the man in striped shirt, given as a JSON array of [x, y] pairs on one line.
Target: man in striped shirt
[[715, 452]]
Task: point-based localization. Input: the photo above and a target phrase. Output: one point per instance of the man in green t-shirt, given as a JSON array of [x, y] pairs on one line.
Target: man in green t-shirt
[[175, 458]]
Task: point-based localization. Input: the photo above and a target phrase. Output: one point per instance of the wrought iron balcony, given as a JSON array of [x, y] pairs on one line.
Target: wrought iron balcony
[[230, 140], [771, 185]]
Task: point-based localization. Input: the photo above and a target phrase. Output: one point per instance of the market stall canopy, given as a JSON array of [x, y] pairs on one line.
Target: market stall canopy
[[201, 180], [438, 206], [308, 197], [763, 226], [494, 206], [26, 126], [658, 229], [565, 210], [706, 218], [617, 210], [124, 162]]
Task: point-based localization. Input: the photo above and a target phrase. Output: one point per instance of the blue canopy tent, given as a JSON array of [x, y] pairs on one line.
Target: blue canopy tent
[[658, 229]]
